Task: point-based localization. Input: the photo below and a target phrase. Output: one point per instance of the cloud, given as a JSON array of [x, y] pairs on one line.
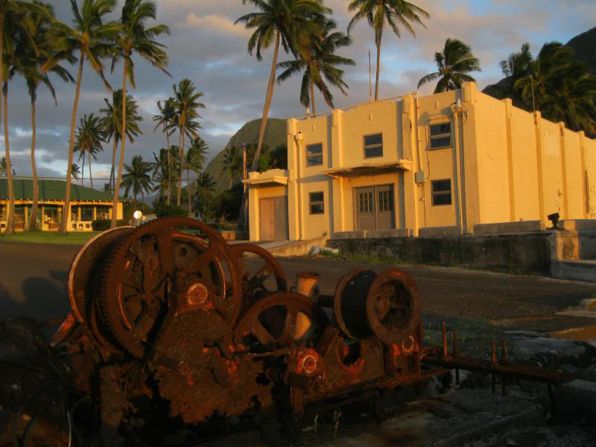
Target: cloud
[[214, 22]]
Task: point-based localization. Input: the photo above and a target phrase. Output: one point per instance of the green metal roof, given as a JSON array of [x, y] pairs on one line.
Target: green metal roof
[[51, 190]]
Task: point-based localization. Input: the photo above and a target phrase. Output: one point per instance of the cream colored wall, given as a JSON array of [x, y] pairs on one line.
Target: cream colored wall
[[589, 146], [492, 160], [437, 164], [524, 163], [574, 185], [316, 225]]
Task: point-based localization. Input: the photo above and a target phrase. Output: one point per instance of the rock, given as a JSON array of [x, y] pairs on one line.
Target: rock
[[552, 352]]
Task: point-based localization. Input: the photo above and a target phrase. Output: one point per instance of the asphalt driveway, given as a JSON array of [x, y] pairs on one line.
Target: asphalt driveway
[[33, 277]]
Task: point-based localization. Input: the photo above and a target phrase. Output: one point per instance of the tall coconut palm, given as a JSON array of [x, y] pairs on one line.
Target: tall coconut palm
[[12, 13], [165, 171], [137, 178], [397, 13], [90, 137], [3, 167], [187, 112], [166, 119], [232, 163], [453, 63], [29, 60], [319, 64], [92, 40], [136, 38], [112, 124], [278, 23], [195, 162]]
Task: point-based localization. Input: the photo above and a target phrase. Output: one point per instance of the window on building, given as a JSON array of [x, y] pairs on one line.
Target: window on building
[[2, 212], [441, 192], [314, 154], [440, 136], [316, 203], [373, 145]]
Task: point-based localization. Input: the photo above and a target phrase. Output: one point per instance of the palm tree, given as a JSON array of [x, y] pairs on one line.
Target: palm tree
[[453, 63], [91, 38], [278, 23], [112, 123], [137, 177], [195, 161], [28, 63], [205, 187], [75, 171], [3, 167], [397, 13], [136, 38], [560, 87], [165, 170], [320, 64], [90, 137], [12, 13], [166, 119], [187, 112], [232, 163]]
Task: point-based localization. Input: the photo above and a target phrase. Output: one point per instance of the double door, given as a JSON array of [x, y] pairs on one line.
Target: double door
[[374, 208], [273, 219]]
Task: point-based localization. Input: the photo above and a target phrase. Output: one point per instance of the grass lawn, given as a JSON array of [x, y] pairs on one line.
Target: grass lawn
[[46, 237]]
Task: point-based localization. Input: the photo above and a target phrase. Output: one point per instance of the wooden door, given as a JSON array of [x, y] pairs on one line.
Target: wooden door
[[365, 209], [374, 208], [281, 218], [267, 219]]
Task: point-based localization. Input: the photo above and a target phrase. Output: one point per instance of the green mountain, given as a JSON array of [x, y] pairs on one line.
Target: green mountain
[[275, 135], [584, 45]]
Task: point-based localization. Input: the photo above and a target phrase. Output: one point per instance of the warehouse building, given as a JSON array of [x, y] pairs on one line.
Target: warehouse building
[[459, 162]]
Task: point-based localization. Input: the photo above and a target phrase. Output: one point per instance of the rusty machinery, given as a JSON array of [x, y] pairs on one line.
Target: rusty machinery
[[169, 315]]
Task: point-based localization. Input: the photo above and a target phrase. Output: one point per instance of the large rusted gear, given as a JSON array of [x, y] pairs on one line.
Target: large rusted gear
[[177, 262], [349, 305], [261, 273], [393, 306], [278, 321], [84, 265]]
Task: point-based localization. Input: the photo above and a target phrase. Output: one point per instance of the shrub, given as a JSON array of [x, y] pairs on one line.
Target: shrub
[[165, 210], [104, 224]]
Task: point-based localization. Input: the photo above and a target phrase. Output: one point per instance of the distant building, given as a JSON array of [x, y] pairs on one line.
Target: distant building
[[86, 205], [445, 164]]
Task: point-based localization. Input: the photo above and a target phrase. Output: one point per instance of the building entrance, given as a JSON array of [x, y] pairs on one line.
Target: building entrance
[[273, 219], [374, 209]]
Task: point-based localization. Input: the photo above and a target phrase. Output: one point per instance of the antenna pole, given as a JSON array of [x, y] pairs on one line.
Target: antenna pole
[[369, 77]]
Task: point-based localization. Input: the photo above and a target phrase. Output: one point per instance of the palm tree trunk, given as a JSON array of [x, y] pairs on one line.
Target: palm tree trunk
[[71, 143], [378, 42], [90, 173], [83, 171], [312, 98], [10, 219], [169, 169], [188, 188], [263, 126], [33, 217], [181, 157], [112, 176], [122, 150], [267, 105]]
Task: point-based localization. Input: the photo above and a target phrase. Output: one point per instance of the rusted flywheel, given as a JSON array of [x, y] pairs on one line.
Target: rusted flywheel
[[278, 321], [393, 306], [261, 273], [84, 266], [168, 262], [349, 305]]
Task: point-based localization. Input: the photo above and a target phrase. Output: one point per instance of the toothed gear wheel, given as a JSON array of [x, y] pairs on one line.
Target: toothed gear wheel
[[146, 273], [281, 320]]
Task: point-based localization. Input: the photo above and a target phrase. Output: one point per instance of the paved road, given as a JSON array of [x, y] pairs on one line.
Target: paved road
[[32, 283]]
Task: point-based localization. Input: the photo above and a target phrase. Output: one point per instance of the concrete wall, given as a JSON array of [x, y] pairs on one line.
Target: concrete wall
[[518, 253]]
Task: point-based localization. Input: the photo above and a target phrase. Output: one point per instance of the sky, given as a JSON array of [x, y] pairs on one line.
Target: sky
[[206, 47]]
